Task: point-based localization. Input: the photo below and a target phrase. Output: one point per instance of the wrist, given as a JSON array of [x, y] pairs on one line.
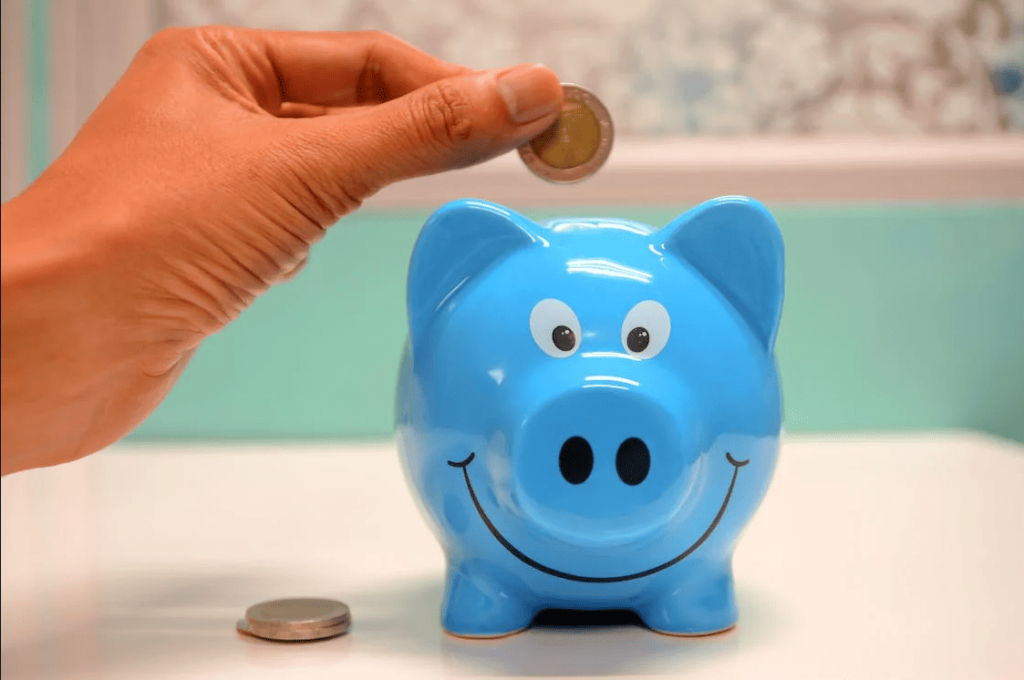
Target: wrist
[[63, 346]]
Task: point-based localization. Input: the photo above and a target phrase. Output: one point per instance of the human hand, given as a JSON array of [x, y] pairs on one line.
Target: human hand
[[202, 179]]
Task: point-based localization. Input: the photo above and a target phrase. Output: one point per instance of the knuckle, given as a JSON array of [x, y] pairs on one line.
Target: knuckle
[[323, 197], [170, 36], [177, 41], [219, 40], [377, 40], [212, 34], [447, 115], [376, 37], [191, 38], [164, 41], [347, 193]]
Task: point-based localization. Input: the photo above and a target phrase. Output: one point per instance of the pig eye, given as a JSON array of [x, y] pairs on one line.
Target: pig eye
[[646, 328], [555, 328]]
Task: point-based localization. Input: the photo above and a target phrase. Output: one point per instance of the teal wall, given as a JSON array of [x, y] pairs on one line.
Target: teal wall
[[897, 317], [37, 64]]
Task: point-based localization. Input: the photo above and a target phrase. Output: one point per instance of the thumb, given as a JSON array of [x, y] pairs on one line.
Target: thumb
[[448, 124]]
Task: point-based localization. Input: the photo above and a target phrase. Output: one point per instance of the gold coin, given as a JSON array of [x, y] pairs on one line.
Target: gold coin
[[577, 144]]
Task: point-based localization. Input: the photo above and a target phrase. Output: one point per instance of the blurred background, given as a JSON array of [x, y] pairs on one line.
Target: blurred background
[[887, 136]]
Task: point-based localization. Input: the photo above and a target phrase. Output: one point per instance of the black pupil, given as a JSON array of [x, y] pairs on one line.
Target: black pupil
[[576, 460], [638, 339], [564, 338]]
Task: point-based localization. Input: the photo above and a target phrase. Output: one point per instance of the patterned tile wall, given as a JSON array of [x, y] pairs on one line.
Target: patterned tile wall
[[717, 67]]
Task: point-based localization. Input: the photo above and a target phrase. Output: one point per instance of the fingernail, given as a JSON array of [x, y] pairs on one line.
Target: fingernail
[[527, 92]]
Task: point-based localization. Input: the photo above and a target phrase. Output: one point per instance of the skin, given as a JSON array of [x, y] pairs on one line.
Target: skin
[[205, 177]]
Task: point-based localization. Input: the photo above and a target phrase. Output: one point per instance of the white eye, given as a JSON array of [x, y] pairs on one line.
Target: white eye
[[646, 328], [555, 328]]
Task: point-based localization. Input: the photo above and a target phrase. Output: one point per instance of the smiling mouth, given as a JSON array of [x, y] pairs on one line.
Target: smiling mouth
[[518, 554]]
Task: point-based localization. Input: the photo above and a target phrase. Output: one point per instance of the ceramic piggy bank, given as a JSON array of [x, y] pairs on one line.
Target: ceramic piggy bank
[[589, 409]]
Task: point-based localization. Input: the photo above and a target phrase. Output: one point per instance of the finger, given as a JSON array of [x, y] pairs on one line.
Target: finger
[[448, 124], [335, 69], [294, 110]]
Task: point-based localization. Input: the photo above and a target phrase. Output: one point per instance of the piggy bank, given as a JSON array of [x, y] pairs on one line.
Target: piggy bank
[[589, 409]]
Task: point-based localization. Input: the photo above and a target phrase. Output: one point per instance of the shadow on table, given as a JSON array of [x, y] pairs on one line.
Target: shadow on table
[[150, 623], [162, 622], [560, 643]]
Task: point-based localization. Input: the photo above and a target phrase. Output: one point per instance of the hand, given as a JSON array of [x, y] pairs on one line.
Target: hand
[[202, 179]]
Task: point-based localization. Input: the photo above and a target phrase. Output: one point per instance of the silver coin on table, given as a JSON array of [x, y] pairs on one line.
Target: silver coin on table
[[292, 619], [577, 144]]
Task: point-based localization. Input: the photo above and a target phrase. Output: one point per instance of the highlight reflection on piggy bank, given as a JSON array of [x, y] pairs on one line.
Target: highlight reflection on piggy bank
[[589, 409]]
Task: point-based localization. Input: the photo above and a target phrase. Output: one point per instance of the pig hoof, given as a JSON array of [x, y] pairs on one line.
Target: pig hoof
[[480, 608], [692, 612]]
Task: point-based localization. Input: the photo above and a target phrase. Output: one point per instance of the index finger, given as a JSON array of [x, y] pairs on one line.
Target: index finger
[[337, 69]]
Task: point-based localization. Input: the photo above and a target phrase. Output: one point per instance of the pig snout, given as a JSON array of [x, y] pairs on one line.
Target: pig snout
[[599, 464]]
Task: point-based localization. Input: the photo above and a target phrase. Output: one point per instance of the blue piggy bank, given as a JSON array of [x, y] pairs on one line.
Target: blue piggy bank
[[589, 409]]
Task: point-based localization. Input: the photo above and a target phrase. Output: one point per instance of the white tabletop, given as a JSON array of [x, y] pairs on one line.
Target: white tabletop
[[895, 557]]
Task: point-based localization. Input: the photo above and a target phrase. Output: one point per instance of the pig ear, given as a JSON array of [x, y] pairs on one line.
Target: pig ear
[[736, 244], [457, 243]]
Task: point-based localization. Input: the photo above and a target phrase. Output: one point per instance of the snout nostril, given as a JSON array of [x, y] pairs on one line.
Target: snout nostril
[[576, 460], [633, 461]]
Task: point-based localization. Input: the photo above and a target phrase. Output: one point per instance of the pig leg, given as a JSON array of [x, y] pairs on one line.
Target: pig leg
[[478, 603], [701, 603]]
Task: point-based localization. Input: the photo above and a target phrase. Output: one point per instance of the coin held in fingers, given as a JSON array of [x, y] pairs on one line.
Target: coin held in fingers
[[577, 144], [301, 618]]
